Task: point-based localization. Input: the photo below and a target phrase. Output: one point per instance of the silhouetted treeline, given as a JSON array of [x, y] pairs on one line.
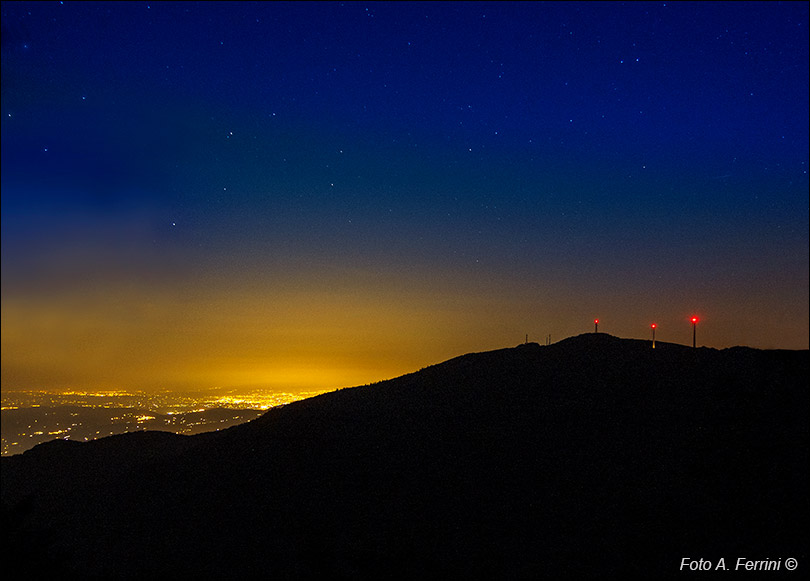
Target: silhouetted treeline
[[594, 457]]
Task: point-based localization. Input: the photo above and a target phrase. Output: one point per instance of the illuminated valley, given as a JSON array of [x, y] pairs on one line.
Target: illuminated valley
[[36, 416]]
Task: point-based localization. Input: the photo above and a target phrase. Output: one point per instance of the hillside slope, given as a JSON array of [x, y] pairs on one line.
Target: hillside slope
[[595, 456]]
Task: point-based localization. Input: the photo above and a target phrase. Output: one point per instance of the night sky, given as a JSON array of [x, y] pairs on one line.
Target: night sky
[[316, 195]]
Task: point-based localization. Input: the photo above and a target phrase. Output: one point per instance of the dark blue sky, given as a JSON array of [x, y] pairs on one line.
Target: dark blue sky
[[455, 174]]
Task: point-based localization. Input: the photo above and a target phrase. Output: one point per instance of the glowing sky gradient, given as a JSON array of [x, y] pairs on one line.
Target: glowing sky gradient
[[316, 195]]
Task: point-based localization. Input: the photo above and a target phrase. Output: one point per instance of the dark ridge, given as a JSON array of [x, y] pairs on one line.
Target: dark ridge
[[593, 457]]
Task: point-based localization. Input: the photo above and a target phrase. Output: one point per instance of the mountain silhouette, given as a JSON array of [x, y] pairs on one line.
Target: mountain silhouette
[[593, 457]]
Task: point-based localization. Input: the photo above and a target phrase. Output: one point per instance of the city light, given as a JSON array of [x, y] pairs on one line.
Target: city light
[[32, 417]]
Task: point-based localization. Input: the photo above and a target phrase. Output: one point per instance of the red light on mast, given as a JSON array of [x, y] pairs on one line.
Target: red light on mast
[[596, 325], [653, 325], [694, 319]]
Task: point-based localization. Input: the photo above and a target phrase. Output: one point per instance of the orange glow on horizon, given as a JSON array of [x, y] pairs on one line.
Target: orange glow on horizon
[[304, 332], [308, 336]]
